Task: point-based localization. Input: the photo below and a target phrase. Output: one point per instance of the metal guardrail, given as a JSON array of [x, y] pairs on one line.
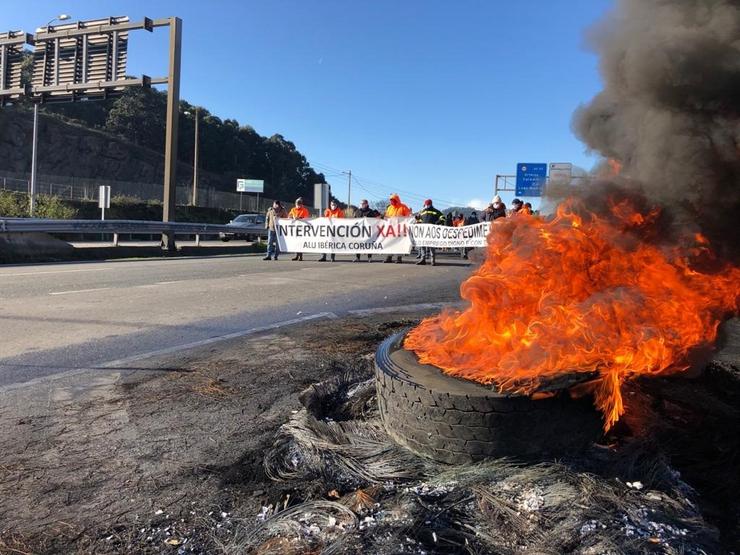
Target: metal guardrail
[[114, 227], [18, 225]]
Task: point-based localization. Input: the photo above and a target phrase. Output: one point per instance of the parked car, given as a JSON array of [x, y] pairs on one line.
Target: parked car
[[246, 226]]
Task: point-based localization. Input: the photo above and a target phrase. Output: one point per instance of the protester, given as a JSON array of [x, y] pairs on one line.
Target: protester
[[414, 248], [458, 220], [470, 220], [275, 212], [396, 209], [516, 206], [495, 210], [332, 212], [448, 219], [527, 209], [298, 212], [364, 211], [429, 215]]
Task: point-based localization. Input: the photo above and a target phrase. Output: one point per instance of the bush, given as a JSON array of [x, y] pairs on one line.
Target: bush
[[53, 208], [15, 205], [124, 200]]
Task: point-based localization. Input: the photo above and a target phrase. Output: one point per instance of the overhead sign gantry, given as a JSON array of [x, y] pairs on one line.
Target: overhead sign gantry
[[86, 60]]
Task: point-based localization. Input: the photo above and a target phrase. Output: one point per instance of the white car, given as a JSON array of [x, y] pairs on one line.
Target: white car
[[246, 226]]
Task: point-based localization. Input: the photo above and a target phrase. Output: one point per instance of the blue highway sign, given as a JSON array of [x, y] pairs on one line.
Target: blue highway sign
[[530, 179]]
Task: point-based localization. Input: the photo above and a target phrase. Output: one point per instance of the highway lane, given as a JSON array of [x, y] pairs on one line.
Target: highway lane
[[60, 317]]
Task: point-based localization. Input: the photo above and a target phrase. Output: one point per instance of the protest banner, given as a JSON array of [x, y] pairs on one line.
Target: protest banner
[[345, 235], [430, 235]]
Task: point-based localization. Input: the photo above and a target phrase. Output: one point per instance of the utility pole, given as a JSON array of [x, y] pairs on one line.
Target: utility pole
[[349, 187]]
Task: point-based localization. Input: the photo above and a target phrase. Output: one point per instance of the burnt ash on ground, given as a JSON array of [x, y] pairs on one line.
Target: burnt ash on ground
[[234, 449]]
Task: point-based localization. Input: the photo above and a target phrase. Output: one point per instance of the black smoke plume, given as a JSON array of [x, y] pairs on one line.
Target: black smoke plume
[[670, 108]]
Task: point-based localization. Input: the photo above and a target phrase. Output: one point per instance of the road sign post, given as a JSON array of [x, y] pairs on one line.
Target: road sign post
[[103, 199], [250, 186]]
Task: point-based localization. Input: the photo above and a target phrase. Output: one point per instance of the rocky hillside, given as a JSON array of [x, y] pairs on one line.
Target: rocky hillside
[[122, 139], [70, 150]]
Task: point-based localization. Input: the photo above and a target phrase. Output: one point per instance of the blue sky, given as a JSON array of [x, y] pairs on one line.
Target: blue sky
[[426, 98]]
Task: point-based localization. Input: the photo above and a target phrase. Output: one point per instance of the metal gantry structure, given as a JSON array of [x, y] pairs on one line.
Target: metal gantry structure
[[12, 45], [86, 60]]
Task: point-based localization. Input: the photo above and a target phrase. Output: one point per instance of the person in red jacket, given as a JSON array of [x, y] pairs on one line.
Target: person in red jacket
[[396, 209], [298, 212], [332, 212]]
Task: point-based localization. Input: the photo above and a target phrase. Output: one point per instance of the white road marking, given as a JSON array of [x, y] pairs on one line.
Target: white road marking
[[170, 350], [216, 339], [56, 272], [78, 291], [157, 284], [113, 364], [391, 309]]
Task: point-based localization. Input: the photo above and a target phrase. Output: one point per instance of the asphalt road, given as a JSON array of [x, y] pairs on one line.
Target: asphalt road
[[56, 318]]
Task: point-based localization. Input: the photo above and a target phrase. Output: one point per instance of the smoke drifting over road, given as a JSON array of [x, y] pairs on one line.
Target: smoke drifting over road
[[670, 108]]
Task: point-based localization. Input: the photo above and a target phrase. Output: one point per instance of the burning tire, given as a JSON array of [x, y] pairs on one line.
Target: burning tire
[[458, 421]]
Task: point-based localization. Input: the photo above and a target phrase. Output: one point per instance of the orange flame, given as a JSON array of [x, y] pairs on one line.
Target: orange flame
[[578, 293]]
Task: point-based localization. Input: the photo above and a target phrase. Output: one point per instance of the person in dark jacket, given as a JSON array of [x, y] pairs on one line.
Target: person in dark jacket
[[364, 211], [470, 220], [495, 210], [429, 215]]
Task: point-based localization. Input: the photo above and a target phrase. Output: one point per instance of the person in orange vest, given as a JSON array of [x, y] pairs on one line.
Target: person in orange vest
[[332, 212], [527, 209], [298, 212], [458, 220], [396, 209]]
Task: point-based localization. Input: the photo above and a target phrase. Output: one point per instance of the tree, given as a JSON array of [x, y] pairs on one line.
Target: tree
[[139, 116]]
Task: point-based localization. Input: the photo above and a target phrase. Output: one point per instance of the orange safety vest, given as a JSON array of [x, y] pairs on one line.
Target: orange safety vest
[[298, 213], [400, 210], [338, 213]]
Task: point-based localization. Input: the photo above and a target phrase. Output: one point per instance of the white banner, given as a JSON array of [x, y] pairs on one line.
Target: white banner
[[429, 235], [346, 235]]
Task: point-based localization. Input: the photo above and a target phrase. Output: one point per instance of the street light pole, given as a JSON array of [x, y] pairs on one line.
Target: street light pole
[[60, 17], [195, 161], [194, 199], [34, 154], [35, 143]]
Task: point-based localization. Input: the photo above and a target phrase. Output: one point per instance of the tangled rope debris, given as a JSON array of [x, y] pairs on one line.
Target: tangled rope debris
[[389, 501]]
